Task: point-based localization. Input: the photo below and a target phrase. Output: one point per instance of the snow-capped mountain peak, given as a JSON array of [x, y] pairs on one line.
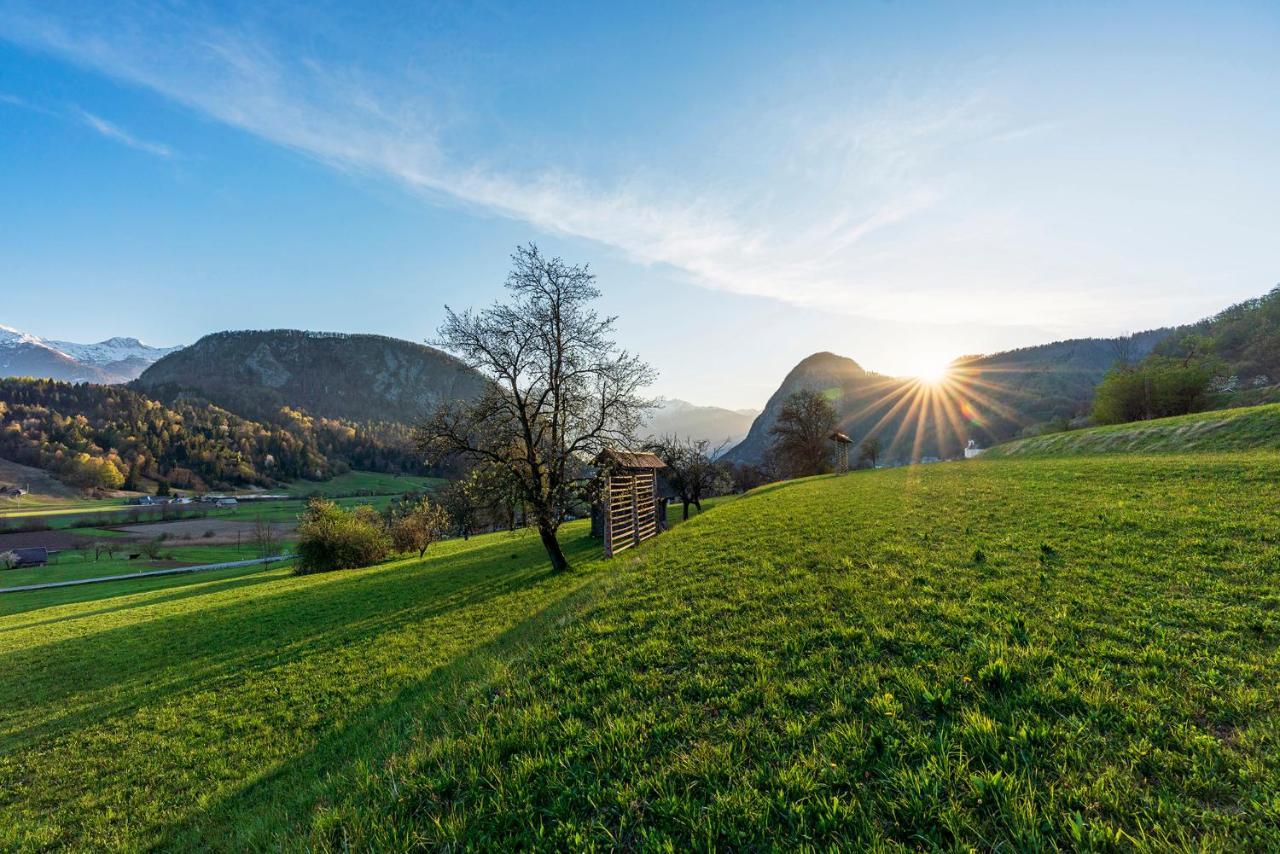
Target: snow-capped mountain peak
[[11, 337], [115, 360], [110, 351]]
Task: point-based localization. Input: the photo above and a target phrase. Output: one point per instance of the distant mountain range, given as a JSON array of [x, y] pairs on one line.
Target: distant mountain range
[[255, 374], [993, 398], [987, 399], [278, 376], [689, 420], [115, 360]]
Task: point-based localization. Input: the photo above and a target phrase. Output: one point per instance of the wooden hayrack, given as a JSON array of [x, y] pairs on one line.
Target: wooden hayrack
[[842, 450], [629, 498]]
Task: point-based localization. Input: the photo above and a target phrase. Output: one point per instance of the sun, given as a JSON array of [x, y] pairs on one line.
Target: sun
[[932, 372]]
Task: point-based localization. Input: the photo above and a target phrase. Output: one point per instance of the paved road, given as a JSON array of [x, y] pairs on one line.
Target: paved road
[[179, 570]]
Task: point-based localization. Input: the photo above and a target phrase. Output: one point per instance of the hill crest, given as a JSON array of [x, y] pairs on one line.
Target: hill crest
[[358, 377]]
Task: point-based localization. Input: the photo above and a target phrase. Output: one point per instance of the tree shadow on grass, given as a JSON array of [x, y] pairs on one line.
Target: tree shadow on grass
[[80, 680], [277, 806], [194, 586]]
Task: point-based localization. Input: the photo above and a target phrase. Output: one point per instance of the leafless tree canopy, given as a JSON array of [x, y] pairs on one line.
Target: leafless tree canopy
[[869, 450], [265, 538], [800, 434], [692, 470], [562, 390]]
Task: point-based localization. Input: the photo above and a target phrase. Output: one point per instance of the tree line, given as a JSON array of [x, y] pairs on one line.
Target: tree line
[[112, 437]]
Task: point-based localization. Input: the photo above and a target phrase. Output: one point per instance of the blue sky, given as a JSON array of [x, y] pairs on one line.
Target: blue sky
[[897, 182]]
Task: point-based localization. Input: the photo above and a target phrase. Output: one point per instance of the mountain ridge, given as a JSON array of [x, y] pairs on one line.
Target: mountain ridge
[[110, 362], [354, 376], [987, 398]]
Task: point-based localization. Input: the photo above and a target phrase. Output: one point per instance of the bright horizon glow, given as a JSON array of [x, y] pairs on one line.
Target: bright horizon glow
[[752, 183], [932, 372]]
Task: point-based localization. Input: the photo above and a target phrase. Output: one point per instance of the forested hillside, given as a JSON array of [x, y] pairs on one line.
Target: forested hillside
[[986, 398], [353, 377], [112, 436], [1246, 337]]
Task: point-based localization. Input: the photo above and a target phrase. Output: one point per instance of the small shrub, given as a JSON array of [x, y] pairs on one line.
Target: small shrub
[[996, 676], [151, 548], [331, 538]]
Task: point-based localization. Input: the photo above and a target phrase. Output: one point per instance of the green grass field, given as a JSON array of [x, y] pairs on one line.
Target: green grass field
[[1244, 429], [366, 482], [67, 507], [69, 566], [1017, 654], [60, 512]]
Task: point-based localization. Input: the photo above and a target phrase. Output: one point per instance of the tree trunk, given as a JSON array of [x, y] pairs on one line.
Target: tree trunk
[[697, 502], [685, 503], [552, 545]]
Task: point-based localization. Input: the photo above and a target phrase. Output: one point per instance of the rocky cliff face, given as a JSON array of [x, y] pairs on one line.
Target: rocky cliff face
[[356, 377]]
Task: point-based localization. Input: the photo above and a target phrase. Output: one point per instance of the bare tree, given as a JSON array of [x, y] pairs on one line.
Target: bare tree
[[1124, 349], [265, 538], [497, 492], [869, 450], [561, 388], [460, 503], [801, 433], [692, 471]]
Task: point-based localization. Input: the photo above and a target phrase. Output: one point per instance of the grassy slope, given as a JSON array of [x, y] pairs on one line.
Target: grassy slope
[[1242, 429], [44, 489], [225, 704], [12, 604], [1006, 651], [46, 506], [1027, 653]]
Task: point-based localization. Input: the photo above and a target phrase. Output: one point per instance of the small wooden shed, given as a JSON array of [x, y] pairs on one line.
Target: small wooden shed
[[629, 505], [842, 450]]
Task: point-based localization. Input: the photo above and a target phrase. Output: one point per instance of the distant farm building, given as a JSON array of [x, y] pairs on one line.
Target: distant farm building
[[630, 508], [36, 556], [7, 491], [972, 450]]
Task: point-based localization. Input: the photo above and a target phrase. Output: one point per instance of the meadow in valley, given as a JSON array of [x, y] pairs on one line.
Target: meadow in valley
[[1045, 653]]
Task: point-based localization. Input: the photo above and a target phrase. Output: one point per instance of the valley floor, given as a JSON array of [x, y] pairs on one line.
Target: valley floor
[[1029, 653]]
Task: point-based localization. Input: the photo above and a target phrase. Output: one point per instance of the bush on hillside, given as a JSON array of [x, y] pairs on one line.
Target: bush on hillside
[[414, 525], [1157, 387], [331, 538]]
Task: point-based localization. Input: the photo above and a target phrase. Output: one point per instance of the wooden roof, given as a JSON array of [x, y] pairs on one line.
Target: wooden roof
[[837, 436], [630, 459]]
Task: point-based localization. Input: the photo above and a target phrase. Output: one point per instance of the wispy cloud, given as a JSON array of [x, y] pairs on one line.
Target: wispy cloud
[[853, 228], [110, 130], [118, 134]]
